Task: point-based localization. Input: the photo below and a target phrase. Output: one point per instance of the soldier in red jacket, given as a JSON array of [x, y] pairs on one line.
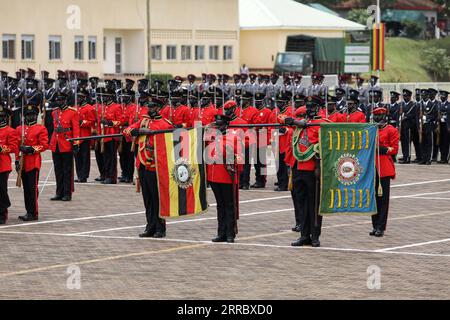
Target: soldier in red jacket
[[9, 143], [249, 114], [332, 114], [281, 112], [179, 114], [224, 155], [66, 126], [206, 110], [305, 147], [353, 114], [86, 114], [146, 165], [126, 156], [110, 118], [35, 141], [388, 138]]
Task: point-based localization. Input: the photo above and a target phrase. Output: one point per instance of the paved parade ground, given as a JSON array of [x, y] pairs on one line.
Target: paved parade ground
[[95, 237]]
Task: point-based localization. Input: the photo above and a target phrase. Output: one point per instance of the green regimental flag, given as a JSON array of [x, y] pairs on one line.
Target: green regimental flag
[[348, 168]]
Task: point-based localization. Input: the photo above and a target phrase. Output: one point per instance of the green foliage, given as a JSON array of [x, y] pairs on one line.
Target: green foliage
[[413, 29], [164, 77], [359, 16], [437, 62]]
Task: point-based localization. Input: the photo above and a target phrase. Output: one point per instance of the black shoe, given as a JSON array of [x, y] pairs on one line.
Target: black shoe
[[372, 233], [129, 180], [121, 179], [404, 161], [81, 180], [428, 163], [56, 198], [379, 233], [27, 217], [109, 181], [315, 243], [416, 161], [422, 162], [297, 228], [244, 187], [230, 240], [100, 179], [147, 234], [159, 235], [66, 198], [279, 189], [275, 184], [219, 239], [258, 185], [301, 242], [442, 162]]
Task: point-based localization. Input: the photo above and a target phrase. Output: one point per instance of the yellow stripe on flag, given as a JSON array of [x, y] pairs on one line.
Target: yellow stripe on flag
[[194, 162], [173, 187]]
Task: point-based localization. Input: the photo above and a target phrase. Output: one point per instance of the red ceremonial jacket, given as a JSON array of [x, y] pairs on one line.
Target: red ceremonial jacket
[[387, 137], [86, 115], [216, 166], [337, 117], [9, 143], [356, 116], [181, 115], [69, 121], [279, 118], [313, 138], [265, 116], [36, 136], [145, 144], [205, 115], [112, 112]]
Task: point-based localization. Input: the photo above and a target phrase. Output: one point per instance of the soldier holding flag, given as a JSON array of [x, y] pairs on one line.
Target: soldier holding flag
[[146, 165]]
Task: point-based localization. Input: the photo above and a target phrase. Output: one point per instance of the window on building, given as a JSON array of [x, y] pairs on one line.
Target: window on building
[[171, 52], [157, 52], [9, 46], [54, 50], [104, 48], [199, 52], [27, 47], [186, 53], [92, 43], [227, 53], [118, 55], [213, 52], [79, 48]]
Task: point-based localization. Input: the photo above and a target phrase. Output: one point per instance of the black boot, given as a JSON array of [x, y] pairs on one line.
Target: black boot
[[219, 239], [27, 217], [301, 242]]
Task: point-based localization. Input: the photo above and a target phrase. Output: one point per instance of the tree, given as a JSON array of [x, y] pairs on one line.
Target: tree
[[437, 62], [359, 16]]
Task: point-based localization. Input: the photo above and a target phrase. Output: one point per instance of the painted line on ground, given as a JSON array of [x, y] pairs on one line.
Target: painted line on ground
[[414, 245]]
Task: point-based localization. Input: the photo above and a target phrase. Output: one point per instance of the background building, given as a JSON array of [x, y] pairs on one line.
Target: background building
[[109, 37]]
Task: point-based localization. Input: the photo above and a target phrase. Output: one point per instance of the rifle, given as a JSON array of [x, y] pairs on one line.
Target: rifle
[[22, 141], [137, 96], [43, 108], [420, 117], [102, 126], [438, 121]]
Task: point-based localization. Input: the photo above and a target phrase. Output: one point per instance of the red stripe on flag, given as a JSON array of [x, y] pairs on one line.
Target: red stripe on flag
[[163, 176]]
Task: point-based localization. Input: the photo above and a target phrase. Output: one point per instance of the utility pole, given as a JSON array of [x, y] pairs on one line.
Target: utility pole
[[149, 44]]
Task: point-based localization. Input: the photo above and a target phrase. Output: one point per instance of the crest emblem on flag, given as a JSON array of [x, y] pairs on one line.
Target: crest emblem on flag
[[183, 173], [348, 169]]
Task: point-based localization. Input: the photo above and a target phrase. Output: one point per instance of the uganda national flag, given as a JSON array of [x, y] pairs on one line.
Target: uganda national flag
[[181, 173], [348, 168]]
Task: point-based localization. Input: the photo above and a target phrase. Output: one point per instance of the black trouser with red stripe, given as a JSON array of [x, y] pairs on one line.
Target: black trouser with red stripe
[[83, 160], [100, 159], [225, 209], [110, 160], [149, 187], [282, 173], [261, 165], [245, 174], [379, 220], [63, 163], [30, 182], [126, 160], [4, 198], [307, 189], [299, 207]]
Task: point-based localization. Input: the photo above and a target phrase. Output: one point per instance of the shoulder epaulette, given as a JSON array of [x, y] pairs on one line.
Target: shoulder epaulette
[[73, 109]]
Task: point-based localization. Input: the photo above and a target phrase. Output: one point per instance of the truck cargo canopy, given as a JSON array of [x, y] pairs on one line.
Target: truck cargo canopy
[[289, 14]]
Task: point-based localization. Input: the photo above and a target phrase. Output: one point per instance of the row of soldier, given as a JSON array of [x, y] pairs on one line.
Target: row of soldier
[[78, 109]]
